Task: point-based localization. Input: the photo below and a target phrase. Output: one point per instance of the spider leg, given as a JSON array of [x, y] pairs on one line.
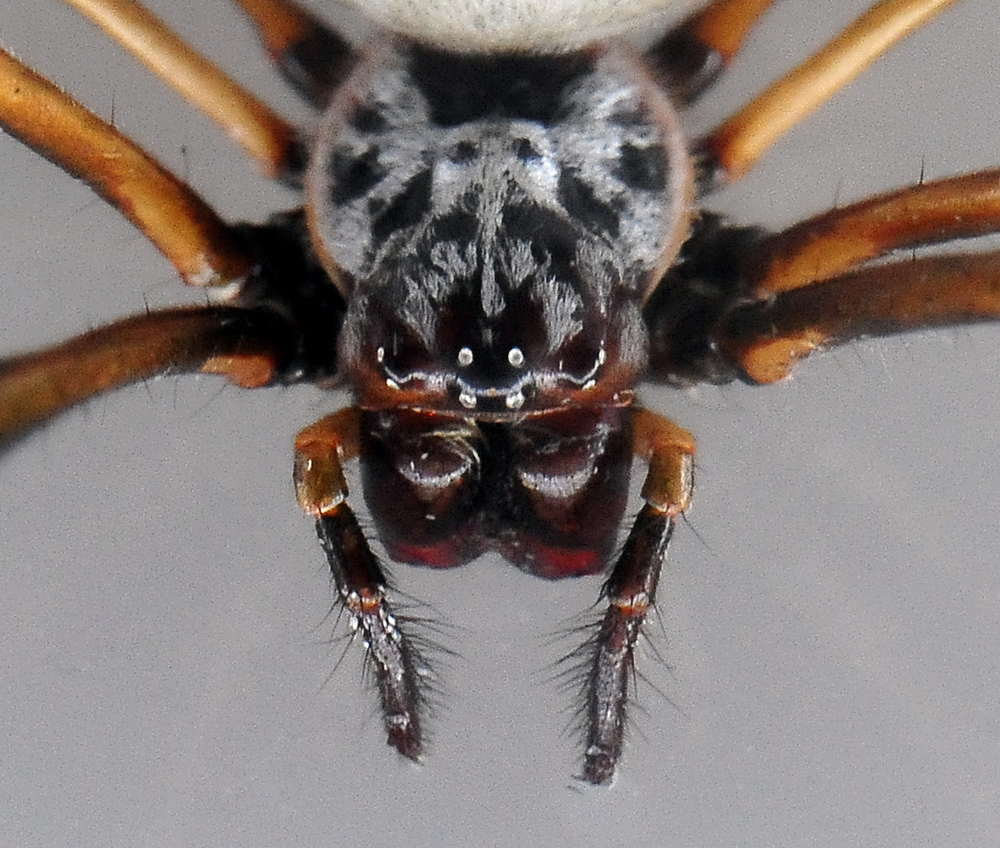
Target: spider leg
[[631, 587], [836, 241], [281, 326], [204, 249], [311, 56], [693, 55], [732, 148], [320, 451], [767, 338], [240, 344], [742, 304], [262, 133]]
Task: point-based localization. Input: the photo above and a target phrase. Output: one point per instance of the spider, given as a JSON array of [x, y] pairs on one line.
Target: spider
[[493, 367]]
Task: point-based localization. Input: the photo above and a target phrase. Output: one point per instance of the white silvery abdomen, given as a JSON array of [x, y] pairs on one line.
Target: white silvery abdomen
[[492, 26]]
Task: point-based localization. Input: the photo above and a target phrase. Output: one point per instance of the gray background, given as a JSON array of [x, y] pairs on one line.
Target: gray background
[[831, 619]]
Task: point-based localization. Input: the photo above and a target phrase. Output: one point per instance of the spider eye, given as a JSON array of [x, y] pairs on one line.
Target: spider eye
[[402, 356], [580, 359]]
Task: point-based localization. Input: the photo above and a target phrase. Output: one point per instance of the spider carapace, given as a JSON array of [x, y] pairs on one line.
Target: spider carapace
[[493, 250]]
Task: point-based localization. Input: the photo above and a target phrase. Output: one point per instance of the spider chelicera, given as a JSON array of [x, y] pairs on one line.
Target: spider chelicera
[[493, 251]]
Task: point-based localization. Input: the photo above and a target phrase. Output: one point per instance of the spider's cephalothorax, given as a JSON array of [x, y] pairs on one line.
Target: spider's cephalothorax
[[496, 240], [493, 250], [496, 237]]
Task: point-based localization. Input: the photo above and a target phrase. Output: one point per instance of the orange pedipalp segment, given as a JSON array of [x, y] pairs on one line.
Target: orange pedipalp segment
[[267, 137], [741, 140], [203, 248], [768, 338], [669, 451], [321, 449], [836, 241], [35, 387]]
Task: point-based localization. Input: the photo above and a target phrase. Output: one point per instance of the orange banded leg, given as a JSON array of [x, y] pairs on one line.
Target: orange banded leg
[[240, 344], [263, 134], [813, 288], [204, 249], [767, 338], [692, 55], [735, 145], [841, 239], [726, 310], [320, 451], [310, 55], [631, 587]]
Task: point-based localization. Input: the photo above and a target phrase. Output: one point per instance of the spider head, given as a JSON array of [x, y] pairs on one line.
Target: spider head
[[495, 245], [542, 344]]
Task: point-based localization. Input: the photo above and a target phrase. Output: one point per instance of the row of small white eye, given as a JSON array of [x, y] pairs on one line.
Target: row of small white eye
[[514, 356], [513, 401]]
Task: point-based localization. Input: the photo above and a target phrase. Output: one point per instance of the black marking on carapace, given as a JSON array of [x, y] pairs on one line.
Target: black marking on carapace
[[458, 225], [368, 119], [525, 150], [352, 176], [409, 207], [579, 200], [553, 239], [460, 89], [463, 152], [643, 168]]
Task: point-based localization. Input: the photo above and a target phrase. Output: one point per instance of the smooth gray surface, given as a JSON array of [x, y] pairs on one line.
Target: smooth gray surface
[[832, 629]]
